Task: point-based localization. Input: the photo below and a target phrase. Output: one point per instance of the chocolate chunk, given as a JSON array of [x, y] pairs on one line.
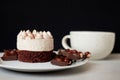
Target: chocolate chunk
[[10, 55], [86, 55], [61, 61], [71, 54]]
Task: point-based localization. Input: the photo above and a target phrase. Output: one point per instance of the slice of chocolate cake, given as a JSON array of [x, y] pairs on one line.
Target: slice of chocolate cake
[[35, 46]]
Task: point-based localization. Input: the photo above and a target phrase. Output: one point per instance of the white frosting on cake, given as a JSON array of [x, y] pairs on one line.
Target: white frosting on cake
[[35, 41]]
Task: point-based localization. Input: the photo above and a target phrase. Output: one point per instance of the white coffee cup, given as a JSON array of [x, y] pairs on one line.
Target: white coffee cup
[[99, 43]]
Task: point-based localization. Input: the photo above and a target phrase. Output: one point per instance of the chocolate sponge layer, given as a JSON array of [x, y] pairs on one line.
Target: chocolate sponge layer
[[32, 56]]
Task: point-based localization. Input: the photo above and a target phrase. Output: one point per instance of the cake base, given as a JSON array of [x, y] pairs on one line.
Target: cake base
[[33, 56]]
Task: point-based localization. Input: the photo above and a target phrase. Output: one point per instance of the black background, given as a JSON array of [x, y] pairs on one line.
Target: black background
[[59, 17]]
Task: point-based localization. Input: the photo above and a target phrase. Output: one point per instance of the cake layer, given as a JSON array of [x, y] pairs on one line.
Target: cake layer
[[31, 56], [35, 44], [35, 41]]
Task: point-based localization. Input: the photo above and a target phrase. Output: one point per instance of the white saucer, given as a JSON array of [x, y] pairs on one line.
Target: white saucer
[[36, 67]]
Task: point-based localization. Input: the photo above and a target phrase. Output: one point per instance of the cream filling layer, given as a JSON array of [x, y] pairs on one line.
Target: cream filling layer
[[35, 44]]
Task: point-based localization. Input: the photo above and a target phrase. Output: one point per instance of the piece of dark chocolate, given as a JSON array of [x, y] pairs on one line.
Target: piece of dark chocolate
[[86, 55], [61, 61], [71, 54], [10, 55]]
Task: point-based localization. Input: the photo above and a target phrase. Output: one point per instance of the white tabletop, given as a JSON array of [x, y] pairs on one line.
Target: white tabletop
[[107, 69]]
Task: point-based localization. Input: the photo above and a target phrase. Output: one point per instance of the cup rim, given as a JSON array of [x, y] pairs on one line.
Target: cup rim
[[94, 32]]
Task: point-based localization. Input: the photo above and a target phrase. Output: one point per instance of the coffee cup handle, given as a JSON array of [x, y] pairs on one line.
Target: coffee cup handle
[[64, 42]]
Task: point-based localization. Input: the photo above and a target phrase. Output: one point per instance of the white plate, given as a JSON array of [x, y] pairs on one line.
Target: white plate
[[36, 67]]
